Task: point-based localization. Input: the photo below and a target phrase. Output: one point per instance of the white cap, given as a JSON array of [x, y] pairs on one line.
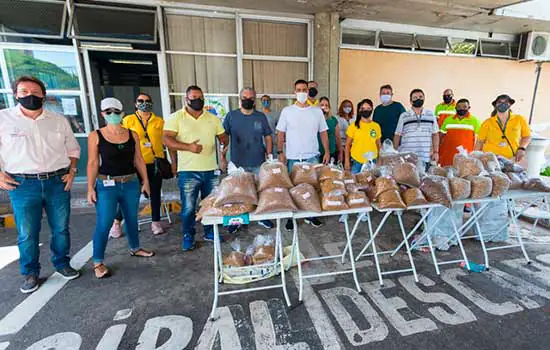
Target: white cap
[[111, 103]]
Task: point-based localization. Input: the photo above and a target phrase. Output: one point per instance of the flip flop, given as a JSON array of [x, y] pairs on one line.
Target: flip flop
[[106, 272], [134, 253]]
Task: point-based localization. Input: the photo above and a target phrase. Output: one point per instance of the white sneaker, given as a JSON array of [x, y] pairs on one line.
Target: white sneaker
[[116, 230], [156, 227]]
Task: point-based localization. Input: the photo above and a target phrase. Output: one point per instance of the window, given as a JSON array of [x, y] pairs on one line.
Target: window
[[70, 107], [273, 77], [463, 46], [56, 69], [358, 37], [20, 18], [212, 74], [116, 24], [4, 101], [201, 34], [396, 40], [492, 48], [431, 43], [274, 38]]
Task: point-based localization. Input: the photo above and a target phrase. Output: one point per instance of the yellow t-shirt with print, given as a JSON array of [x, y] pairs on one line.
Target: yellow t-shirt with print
[[155, 126], [188, 129], [364, 140], [491, 133]]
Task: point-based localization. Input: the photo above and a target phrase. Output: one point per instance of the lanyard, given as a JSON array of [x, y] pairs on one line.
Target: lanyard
[[144, 126], [503, 127]]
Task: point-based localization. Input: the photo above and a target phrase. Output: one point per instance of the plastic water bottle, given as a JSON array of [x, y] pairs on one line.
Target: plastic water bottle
[[473, 267]]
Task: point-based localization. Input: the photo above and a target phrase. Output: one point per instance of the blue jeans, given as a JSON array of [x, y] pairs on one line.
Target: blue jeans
[[190, 184], [355, 166], [126, 195], [28, 200], [291, 162]]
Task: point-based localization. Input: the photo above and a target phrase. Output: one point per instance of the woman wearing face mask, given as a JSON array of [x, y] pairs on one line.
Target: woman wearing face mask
[[333, 130], [363, 137], [345, 117], [115, 181], [148, 126], [505, 134]]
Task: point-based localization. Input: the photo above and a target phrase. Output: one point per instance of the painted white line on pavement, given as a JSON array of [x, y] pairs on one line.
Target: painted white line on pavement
[[4, 346], [8, 255], [122, 314], [25, 311]]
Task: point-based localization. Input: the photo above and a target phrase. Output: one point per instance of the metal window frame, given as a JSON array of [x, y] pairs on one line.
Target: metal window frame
[[376, 37], [44, 36], [474, 54], [509, 56], [73, 32], [419, 47], [381, 40]]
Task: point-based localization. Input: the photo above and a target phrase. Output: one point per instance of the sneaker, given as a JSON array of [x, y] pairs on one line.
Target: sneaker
[[116, 230], [266, 223], [467, 209], [209, 237], [233, 229], [29, 285], [188, 243], [68, 273], [314, 222], [157, 228], [289, 225]]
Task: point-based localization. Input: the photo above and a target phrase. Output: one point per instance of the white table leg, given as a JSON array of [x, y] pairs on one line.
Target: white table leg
[[296, 240], [518, 231], [374, 251], [352, 260], [480, 234], [279, 240], [400, 219], [378, 229], [216, 272]]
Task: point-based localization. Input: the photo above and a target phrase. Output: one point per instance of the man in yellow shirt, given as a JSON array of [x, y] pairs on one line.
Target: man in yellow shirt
[[504, 133], [312, 92], [192, 132]]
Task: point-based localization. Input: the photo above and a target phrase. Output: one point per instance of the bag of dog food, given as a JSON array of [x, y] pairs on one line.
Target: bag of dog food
[[306, 198], [274, 200]]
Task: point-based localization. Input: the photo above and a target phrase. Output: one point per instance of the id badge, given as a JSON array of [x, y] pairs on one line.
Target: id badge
[[147, 145], [108, 183], [502, 144]]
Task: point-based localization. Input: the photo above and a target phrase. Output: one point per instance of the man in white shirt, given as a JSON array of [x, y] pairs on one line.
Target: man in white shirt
[[38, 156], [299, 126]]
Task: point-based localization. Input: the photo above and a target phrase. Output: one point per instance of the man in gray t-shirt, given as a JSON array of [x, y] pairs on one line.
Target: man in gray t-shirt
[[250, 137], [272, 119]]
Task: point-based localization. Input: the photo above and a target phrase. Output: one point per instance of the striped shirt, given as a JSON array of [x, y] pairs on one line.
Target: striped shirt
[[416, 132]]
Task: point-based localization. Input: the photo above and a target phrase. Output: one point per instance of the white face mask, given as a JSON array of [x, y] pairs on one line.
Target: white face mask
[[301, 97], [347, 110], [385, 99]]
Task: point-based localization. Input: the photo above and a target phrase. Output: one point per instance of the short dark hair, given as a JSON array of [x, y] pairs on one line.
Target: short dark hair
[[144, 94], [415, 91], [30, 79], [387, 86], [192, 88], [300, 81], [463, 100], [266, 96]]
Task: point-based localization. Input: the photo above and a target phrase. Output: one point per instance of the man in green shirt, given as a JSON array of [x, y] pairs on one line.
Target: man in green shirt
[[387, 114]]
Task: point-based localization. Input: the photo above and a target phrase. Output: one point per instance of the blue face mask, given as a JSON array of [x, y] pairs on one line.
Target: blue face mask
[[266, 103], [113, 118]]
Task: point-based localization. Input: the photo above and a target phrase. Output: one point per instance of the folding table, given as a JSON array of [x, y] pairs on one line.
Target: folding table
[[539, 200], [218, 260], [361, 212]]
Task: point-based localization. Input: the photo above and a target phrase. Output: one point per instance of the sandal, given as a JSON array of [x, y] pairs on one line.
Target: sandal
[[101, 271], [142, 253]]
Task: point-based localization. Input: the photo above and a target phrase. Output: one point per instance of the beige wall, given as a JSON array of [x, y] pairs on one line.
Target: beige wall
[[478, 79]]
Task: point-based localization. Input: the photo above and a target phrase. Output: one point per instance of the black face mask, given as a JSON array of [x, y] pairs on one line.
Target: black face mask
[[247, 103], [418, 103], [503, 107], [312, 92], [31, 102], [447, 99], [462, 112], [364, 114], [196, 104]]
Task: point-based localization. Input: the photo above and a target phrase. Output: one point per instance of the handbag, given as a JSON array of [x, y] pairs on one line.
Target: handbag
[[164, 168]]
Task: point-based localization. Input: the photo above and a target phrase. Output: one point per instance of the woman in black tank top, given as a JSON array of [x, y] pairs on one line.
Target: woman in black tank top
[[114, 157]]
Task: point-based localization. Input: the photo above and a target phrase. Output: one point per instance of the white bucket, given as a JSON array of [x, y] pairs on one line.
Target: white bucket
[[535, 156]]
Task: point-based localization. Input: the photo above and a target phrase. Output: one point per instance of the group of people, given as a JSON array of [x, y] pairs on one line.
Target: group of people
[[123, 155]]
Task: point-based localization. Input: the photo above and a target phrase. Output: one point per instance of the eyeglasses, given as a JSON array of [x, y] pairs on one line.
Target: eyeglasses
[[112, 111], [142, 101]]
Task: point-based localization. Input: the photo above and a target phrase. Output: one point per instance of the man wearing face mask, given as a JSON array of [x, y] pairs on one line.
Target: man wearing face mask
[[272, 118], [458, 130], [299, 125], [505, 133], [417, 130], [148, 126], [38, 157], [387, 113], [192, 132], [447, 108], [312, 92], [248, 131]]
